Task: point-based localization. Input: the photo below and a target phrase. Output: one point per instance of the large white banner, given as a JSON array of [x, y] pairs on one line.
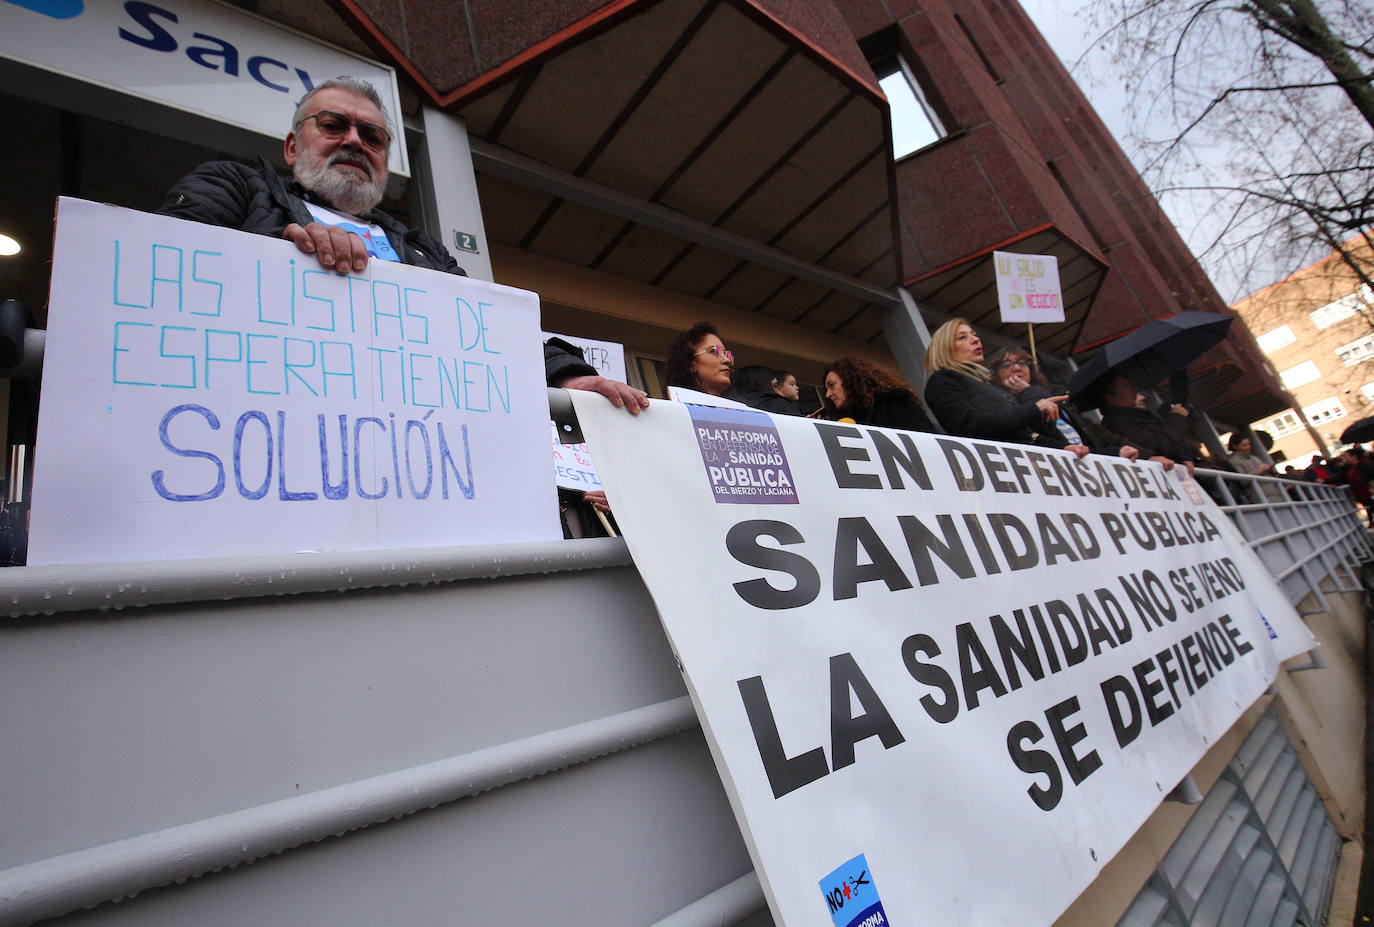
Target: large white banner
[[207, 392], [944, 680]]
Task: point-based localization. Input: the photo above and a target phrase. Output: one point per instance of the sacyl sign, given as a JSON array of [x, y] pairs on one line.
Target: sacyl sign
[[200, 56]]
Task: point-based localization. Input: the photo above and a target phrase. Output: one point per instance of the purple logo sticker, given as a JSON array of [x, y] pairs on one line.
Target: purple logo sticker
[[743, 455]]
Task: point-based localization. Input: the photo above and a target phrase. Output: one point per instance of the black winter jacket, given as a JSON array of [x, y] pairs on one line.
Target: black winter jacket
[[765, 401], [257, 200], [971, 408], [893, 408], [563, 361], [1155, 436], [1098, 438]]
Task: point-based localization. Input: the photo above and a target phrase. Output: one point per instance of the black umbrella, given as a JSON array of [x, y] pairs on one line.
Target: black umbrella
[[1360, 432], [1150, 353]]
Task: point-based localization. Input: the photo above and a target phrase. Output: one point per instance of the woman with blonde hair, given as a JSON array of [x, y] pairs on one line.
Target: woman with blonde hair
[[958, 391]]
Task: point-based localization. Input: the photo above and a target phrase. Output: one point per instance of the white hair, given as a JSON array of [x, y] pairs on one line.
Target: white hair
[[354, 85]]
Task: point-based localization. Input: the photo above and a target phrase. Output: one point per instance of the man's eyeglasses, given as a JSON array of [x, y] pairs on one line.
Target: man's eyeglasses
[[1008, 364], [336, 125], [718, 351]]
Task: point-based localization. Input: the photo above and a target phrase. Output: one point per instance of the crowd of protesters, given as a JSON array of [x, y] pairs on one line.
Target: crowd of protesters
[[1353, 467], [1006, 398]]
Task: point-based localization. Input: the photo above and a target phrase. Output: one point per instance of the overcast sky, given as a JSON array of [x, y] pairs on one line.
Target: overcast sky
[[1069, 34]]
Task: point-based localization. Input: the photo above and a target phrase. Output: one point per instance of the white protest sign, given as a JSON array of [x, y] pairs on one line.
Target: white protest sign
[[944, 681], [572, 465], [607, 357], [207, 392], [1028, 287]]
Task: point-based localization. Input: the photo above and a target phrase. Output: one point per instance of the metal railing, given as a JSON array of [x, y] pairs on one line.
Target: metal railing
[[1304, 533]]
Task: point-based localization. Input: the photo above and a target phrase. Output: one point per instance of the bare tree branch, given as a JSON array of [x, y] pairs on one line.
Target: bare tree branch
[[1255, 117]]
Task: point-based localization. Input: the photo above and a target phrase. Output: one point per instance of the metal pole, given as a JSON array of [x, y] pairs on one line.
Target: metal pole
[[1256, 445], [445, 188], [908, 337], [1210, 437]]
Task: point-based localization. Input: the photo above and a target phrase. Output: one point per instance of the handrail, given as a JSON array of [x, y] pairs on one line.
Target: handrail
[[48, 590], [1325, 540], [729, 904], [83, 878]]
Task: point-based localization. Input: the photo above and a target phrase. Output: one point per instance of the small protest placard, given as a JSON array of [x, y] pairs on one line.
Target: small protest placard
[[1028, 287], [572, 466], [607, 357]]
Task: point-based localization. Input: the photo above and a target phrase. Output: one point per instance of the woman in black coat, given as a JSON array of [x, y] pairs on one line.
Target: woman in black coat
[[1014, 370], [856, 389], [959, 394]]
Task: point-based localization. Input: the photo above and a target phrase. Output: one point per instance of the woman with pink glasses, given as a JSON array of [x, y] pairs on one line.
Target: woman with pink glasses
[[698, 359]]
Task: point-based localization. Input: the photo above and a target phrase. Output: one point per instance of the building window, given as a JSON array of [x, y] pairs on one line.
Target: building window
[[1368, 391], [1342, 308], [1305, 372], [914, 123], [650, 372], [1358, 350], [1328, 410], [1280, 337], [1284, 424]]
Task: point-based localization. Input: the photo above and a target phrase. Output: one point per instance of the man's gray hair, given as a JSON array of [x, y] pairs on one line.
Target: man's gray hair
[[354, 85]]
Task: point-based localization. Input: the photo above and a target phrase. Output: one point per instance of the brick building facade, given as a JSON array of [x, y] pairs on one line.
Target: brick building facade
[[1317, 328]]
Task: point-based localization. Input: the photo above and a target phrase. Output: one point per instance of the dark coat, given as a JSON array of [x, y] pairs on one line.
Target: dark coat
[[257, 200], [1098, 438], [1154, 435], [766, 401], [893, 408], [563, 361], [972, 408]]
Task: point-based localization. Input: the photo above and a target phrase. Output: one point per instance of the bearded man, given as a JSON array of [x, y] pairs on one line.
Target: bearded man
[[337, 151]]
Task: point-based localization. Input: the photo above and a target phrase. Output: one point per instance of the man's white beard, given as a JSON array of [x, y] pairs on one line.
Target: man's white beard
[[343, 189]]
